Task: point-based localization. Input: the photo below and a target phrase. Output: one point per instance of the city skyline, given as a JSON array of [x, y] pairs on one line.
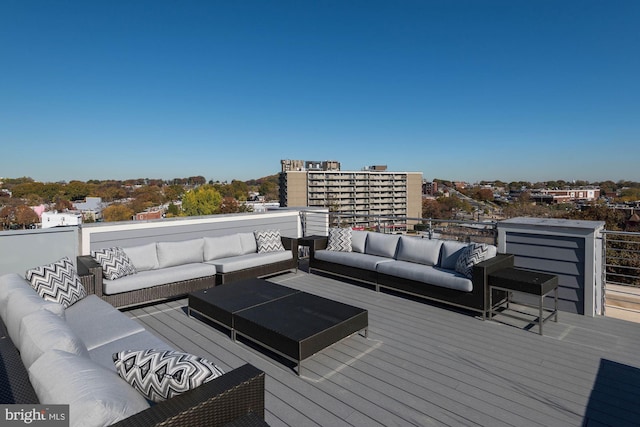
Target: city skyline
[[459, 90]]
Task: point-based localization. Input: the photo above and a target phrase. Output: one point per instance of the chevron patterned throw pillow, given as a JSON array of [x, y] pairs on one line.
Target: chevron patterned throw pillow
[[115, 263], [269, 241], [339, 240], [162, 374], [470, 256], [57, 282]]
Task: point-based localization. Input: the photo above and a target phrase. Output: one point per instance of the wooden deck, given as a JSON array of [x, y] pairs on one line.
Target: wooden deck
[[427, 365]]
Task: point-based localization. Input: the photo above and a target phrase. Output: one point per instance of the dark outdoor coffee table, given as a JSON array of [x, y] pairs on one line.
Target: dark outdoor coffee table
[[291, 323], [218, 304], [529, 282]]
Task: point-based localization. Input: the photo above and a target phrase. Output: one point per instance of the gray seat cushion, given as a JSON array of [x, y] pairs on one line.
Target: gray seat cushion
[[96, 396], [162, 276], [352, 259], [241, 262], [145, 340], [426, 274], [97, 322]]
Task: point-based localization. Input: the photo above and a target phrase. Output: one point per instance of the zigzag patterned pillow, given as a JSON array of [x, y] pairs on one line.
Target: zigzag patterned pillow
[[470, 256], [339, 240], [162, 374], [57, 282], [269, 241], [115, 263]]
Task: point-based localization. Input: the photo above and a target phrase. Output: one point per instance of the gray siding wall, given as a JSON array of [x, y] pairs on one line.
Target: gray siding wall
[[23, 250], [560, 255]]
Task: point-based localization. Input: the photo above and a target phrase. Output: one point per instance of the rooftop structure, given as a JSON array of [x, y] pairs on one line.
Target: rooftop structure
[[422, 363], [60, 219], [566, 195], [309, 165]]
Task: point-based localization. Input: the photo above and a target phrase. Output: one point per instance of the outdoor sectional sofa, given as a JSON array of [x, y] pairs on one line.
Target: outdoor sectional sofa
[[56, 355], [171, 269], [420, 267]]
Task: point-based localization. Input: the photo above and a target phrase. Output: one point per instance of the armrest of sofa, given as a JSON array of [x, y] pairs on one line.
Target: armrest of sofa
[[89, 266], [317, 244], [291, 244], [491, 265], [215, 403], [482, 270]]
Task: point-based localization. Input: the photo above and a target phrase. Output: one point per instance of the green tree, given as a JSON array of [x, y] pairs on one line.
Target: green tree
[[117, 212], [76, 190], [172, 192], [146, 197], [239, 189], [204, 200], [173, 210]]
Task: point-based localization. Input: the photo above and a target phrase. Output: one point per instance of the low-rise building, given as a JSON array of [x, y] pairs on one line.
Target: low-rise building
[[60, 219]]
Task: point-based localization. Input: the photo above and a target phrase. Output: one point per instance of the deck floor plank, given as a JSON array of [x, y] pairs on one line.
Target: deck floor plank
[[425, 364]]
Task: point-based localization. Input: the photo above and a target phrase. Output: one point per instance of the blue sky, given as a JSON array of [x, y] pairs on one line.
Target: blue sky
[[461, 90]]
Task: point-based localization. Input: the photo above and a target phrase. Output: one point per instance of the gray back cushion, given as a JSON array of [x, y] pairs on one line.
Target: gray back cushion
[[248, 243], [222, 247], [143, 257], [42, 331], [179, 253], [8, 283], [358, 240], [382, 244], [450, 252], [421, 251]]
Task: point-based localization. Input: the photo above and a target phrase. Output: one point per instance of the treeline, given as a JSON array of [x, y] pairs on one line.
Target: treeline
[[606, 187], [34, 192], [127, 197]]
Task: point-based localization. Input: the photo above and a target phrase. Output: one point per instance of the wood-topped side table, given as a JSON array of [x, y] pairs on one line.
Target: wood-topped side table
[[529, 282]]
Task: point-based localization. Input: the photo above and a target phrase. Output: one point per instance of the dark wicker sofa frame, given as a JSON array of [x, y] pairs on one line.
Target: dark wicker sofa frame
[[238, 395], [89, 266], [476, 300]]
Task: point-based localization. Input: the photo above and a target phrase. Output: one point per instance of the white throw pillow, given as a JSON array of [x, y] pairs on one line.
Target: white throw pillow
[[339, 240], [161, 374], [57, 282], [470, 256], [269, 241], [115, 263]]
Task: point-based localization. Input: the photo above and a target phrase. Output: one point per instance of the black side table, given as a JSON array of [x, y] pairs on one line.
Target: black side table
[[310, 243], [529, 282]]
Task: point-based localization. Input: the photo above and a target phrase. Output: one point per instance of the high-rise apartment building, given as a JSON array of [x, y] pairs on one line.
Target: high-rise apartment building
[[371, 191]]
